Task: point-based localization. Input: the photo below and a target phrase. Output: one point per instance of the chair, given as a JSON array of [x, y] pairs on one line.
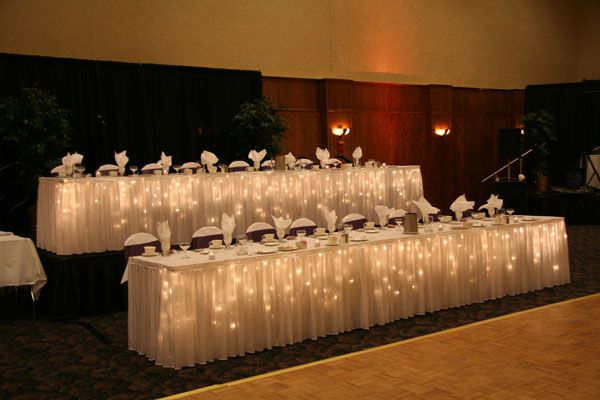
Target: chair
[[57, 170], [106, 168], [303, 224], [202, 237], [467, 213], [238, 166], [304, 163], [267, 165], [396, 217], [149, 169], [356, 220], [333, 163], [134, 244], [256, 231], [194, 166]]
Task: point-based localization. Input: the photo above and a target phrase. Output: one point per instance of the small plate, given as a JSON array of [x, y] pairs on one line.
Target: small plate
[[271, 243], [202, 251], [363, 239], [323, 235], [216, 248], [267, 251], [371, 230], [150, 254], [478, 225], [332, 244], [287, 248]]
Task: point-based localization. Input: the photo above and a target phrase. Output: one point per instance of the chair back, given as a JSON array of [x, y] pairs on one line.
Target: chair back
[[467, 213], [134, 244], [191, 165], [356, 220], [333, 163], [396, 217], [202, 237], [267, 165], [305, 163], [149, 169], [257, 230], [238, 166], [303, 224], [106, 168], [57, 170]]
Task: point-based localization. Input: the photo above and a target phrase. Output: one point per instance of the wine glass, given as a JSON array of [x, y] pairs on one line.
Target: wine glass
[[227, 240], [280, 234], [133, 169], [177, 167], [184, 246], [241, 240], [510, 211]]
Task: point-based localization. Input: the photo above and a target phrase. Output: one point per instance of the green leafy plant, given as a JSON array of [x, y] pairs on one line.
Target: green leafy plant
[[540, 131], [34, 132], [257, 126]]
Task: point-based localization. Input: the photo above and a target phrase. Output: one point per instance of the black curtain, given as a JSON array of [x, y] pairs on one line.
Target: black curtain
[[576, 109], [141, 108]]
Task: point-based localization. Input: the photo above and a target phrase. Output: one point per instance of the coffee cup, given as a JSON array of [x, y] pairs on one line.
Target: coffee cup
[[157, 172], [332, 239], [268, 237], [149, 249], [319, 231], [112, 173], [249, 169], [216, 243], [369, 225]]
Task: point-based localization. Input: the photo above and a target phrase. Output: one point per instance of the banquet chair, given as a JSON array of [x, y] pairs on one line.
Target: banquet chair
[[267, 165], [134, 244], [149, 169], [302, 224], [194, 166], [57, 170], [356, 220], [256, 231], [396, 217], [467, 213], [202, 237], [106, 168], [305, 163], [238, 166], [333, 163]]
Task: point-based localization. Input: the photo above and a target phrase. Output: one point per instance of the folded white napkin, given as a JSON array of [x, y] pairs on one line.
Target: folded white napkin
[[164, 235], [357, 153], [208, 158], [165, 160], [460, 205], [383, 212], [257, 157], [492, 204], [425, 208], [121, 159], [71, 159], [322, 156], [227, 226], [330, 218], [290, 160], [281, 225]]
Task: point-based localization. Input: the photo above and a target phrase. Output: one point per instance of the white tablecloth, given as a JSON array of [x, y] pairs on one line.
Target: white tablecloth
[[187, 311], [97, 214], [20, 264]]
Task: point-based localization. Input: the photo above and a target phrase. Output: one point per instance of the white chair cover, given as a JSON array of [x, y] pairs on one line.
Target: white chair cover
[[202, 237], [238, 163], [152, 166], [257, 229], [108, 167], [302, 223], [268, 163], [140, 238], [190, 164]]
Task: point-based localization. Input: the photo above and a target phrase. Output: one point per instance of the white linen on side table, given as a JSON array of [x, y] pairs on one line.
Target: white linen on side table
[[188, 311], [20, 264], [87, 215]]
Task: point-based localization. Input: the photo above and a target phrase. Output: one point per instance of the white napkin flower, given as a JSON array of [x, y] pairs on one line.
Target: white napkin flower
[[208, 158], [121, 159], [492, 204], [71, 159], [165, 160], [460, 205], [164, 235], [227, 226], [257, 157], [425, 208], [330, 218], [383, 213], [357, 153], [281, 225], [322, 156], [290, 160]]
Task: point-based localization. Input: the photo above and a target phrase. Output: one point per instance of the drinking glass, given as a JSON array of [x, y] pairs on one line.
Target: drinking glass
[[227, 240], [241, 240], [510, 211], [280, 234], [177, 167], [184, 246], [133, 169]]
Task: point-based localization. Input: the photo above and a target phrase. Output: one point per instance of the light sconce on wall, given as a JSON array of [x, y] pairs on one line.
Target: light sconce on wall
[[340, 132], [442, 131]]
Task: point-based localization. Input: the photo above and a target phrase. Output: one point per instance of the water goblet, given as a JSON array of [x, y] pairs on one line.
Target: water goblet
[[133, 169], [184, 246], [241, 240], [510, 211], [177, 167]]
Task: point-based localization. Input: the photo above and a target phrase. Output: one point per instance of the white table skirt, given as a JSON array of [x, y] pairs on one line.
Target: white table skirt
[[183, 312], [20, 264], [97, 214]]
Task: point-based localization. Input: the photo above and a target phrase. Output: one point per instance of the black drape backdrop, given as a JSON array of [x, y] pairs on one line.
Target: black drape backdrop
[[576, 108], [141, 108]]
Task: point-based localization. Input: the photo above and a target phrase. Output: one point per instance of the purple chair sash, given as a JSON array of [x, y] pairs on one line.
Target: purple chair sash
[[202, 242], [436, 217], [310, 229], [53, 173], [467, 213], [256, 236], [335, 165], [357, 223], [150, 171], [308, 165], [106, 172], [237, 169], [266, 168], [137, 249], [396, 220]]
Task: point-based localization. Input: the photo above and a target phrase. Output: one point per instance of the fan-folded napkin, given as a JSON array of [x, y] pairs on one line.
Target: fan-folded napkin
[[357, 153], [383, 212], [164, 235], [257, 157], [227, 226], [281, 225], [290, 160], [71, 159], [492, 204], [208, 158], [165, 160], [330, 218], [121, 159], [425, 208], [322, 156], [460, 205]]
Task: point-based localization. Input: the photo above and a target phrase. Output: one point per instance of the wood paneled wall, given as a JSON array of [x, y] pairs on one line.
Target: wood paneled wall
[[394, 124]]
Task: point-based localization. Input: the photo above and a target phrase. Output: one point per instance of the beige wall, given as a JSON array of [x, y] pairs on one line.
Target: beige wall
[[475, 43]]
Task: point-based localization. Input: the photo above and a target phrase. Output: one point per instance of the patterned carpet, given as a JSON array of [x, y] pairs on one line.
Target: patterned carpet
[[88, 358]]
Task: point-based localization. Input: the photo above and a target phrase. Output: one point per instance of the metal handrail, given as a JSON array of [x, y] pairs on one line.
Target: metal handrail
[[507, 165]]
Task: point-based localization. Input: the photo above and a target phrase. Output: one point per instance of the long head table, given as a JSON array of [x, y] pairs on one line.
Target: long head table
[[97, 214], [188, 311]]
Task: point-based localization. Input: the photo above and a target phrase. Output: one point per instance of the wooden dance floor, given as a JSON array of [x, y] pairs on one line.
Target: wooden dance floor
[[551, 352]]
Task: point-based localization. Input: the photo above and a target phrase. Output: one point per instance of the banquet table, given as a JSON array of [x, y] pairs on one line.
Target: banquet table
[[184, 311], [20, 264], [95, 214]]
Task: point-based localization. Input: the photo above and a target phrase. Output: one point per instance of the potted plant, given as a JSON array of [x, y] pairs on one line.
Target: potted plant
[[34, 132], [540, 131], [257, 126]]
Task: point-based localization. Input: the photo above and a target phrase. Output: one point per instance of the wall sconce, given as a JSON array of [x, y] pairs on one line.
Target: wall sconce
[[340, 132], [442, 131]]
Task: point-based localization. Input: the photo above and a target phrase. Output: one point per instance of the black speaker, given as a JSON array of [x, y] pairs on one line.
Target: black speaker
[[509, 143]]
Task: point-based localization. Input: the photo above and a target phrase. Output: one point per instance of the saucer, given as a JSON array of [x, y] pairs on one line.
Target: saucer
[[267, 251], [287, 248], [216, 248], [320, 235], [150, 254], [273, 243], [371, 230], [361, 239]]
